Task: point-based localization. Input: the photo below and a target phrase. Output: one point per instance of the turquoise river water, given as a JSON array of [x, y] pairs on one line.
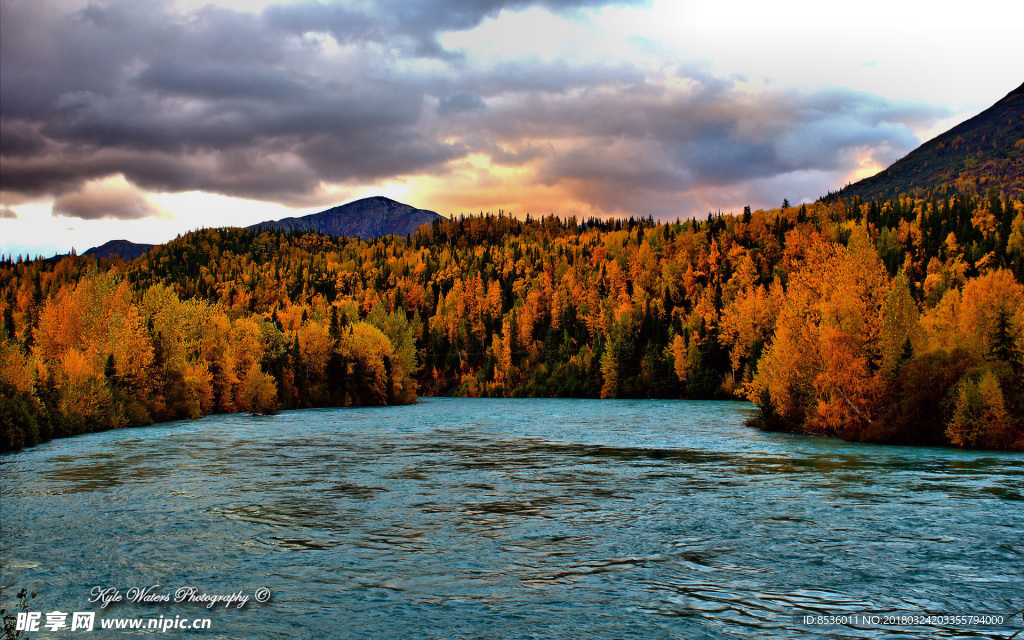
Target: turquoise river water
[[459, 519]]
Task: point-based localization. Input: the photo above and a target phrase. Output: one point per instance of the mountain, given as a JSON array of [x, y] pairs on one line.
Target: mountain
[[127, 250], [367, 218], [985, 151]]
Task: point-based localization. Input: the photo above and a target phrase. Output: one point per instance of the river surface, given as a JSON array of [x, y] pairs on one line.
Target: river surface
[[459, 519]]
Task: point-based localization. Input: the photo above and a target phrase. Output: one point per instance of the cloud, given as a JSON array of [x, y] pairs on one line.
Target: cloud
[[292, 103], [20, 139], [108, 199], [411, 24], [642, 151], [7, 213], [460, 102]]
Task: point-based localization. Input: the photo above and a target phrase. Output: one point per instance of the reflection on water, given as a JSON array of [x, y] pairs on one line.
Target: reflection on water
[[519, 519]]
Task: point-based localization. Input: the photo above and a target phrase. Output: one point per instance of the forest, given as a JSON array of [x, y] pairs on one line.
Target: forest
[[898, 321]]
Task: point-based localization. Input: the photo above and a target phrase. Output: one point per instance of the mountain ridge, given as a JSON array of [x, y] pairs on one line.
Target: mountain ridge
[[366, 219], [984, 151]]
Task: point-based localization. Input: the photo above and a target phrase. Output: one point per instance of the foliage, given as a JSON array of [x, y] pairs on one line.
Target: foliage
[[9, 619], [819, 313]]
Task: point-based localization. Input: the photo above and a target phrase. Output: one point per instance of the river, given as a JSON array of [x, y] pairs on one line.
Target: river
[[459, 518]]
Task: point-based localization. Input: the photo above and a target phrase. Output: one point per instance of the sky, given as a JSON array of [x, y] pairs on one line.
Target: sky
[[143, 120]]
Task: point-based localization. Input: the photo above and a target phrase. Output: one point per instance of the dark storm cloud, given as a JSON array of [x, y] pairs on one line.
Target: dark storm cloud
[[20, 139], [258, 106], [189, 118]]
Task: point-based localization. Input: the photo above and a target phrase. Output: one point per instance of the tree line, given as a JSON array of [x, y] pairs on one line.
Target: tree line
[[894, 321]]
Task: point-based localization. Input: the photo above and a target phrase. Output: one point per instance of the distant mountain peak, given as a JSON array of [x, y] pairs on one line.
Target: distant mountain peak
[[124, 248], [366, 219]]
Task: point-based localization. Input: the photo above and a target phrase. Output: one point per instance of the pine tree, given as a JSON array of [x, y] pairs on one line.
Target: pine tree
[[9, 328], [1003, 343]]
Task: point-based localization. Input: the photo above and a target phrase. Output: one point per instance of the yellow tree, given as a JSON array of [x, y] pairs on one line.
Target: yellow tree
[[315, 348], [82, 329], [219, 356], [258, 392], [367, 351], [609, 374], [677, 351], [823, 368], [965, 319], [748, 320], [247, 342]]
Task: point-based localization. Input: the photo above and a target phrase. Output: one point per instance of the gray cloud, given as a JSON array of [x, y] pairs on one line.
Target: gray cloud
[[256, 106], [104, 201], [20, 139], [412, 24], [460, 102], [640, 151]]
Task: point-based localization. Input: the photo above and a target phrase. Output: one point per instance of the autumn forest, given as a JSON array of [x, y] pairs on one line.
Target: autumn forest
[[899, 321]]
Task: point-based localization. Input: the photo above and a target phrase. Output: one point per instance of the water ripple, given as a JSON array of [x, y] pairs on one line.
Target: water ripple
[[520, 519]]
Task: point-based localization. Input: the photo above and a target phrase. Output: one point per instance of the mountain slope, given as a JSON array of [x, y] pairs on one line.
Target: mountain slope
[[367, 218], [127, 250], [985, 151]]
